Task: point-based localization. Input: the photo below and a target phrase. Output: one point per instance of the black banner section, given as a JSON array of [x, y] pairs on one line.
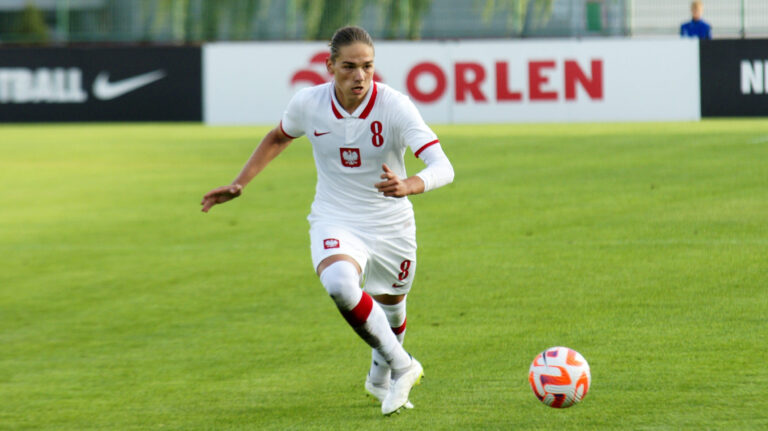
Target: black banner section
[[734, 78], [100, 84]]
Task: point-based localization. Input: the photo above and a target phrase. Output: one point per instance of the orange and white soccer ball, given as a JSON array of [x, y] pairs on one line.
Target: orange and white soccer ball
[[560, 377]]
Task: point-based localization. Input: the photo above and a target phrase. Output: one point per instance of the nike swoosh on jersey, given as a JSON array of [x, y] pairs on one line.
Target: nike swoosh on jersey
[[105, 90], [398, 285], [321, 134]]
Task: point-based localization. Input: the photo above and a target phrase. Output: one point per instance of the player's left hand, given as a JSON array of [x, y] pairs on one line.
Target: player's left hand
[[392, 184]]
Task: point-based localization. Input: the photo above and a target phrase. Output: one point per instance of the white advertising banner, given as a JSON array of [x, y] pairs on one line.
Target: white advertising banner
[[472, 81]]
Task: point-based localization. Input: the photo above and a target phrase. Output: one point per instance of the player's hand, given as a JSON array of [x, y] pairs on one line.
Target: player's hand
[[219, 195], [392, 185]]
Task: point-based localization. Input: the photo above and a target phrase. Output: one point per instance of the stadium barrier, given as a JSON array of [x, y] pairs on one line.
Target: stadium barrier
[[734, 78], [473, 81], [100, 84], [450, 81]]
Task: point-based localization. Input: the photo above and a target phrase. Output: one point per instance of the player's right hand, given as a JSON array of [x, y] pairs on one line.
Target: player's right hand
[[219, 195]]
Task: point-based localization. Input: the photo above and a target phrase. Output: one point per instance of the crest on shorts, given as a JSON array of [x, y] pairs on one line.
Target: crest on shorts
[[331, 243], [350, 157]]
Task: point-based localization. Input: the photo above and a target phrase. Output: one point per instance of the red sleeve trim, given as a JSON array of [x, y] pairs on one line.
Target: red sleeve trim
[[425, 146], [284, 132]]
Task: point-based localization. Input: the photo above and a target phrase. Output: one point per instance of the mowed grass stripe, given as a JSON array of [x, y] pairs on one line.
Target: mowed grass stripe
[[642, 246]]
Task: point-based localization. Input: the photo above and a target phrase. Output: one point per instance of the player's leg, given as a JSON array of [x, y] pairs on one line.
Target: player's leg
[[390, 274], [394, 309], [340, 256], [340, 275], [379, 376]]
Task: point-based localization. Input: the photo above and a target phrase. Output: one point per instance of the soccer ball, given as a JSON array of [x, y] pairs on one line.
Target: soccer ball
[[559, 377]]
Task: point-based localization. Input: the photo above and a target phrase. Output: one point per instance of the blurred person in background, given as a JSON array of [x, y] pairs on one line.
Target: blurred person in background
[[696, 27]]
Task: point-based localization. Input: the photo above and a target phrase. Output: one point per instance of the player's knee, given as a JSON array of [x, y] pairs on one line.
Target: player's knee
[[342, 282]]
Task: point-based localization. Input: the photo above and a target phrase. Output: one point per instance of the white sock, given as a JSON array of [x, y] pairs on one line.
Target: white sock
[[380, 372], [342, 281], [396, 317]]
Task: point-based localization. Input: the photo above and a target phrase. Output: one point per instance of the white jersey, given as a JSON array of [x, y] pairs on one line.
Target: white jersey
[[349, 151]]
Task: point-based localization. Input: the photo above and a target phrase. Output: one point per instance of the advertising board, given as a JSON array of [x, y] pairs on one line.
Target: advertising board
[[472, 81], [734, 78], [100, 84]]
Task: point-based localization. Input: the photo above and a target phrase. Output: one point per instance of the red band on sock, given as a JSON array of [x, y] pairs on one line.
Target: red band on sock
[[400, 329], [359, 315]]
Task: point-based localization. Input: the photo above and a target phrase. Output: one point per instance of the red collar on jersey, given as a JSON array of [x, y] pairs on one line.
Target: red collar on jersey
[[366, 111], [368, 108]]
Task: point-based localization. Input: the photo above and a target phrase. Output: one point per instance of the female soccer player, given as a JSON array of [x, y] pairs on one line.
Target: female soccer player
[[361, 222]]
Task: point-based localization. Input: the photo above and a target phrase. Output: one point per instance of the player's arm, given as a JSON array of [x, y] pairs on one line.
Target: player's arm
[[426, 146], [270, 147], [438, 173]]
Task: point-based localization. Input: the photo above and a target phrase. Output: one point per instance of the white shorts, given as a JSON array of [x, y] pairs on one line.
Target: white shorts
[[388, 261]]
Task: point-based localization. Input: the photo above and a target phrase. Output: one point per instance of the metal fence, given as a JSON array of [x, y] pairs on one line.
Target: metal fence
[[729, 18], [191, 21]]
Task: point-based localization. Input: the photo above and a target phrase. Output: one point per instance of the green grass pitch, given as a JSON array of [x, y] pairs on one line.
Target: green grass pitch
[[642, 246]]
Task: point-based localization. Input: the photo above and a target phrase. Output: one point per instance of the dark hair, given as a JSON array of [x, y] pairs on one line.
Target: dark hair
[[347, 36]]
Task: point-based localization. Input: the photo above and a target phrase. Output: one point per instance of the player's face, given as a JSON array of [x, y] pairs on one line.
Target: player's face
[[352, 73]]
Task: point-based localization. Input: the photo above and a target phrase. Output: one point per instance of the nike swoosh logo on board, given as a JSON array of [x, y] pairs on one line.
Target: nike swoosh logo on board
[[321, 134], [105, 90]]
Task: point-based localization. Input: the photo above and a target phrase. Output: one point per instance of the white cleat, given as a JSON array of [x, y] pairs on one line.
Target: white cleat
[[400, 388], [380, 392]]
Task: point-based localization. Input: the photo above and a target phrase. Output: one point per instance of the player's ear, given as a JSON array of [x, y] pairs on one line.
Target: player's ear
[[329, 65]]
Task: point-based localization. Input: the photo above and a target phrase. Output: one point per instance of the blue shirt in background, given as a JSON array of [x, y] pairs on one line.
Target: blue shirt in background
[[694, 28]]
